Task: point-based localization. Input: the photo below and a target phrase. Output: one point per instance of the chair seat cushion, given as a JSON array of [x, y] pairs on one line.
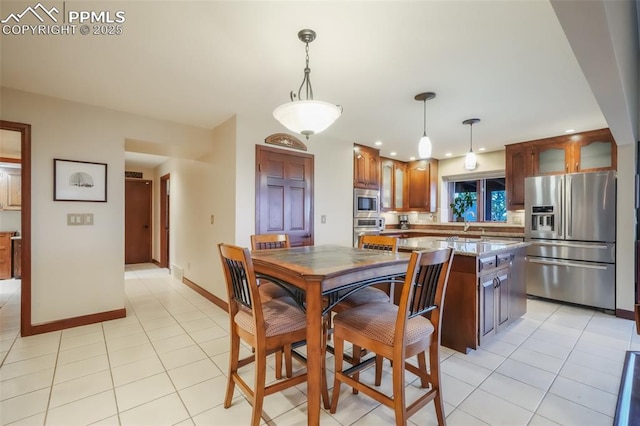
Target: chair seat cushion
[[364, 296], [281, 316], [269, 290], [377, 321]]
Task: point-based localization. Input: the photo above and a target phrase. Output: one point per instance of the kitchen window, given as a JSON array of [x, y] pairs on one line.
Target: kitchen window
[[489, 199]]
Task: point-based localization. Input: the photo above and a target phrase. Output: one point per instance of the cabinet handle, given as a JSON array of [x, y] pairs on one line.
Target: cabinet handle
[[577, 166], [567, 167]]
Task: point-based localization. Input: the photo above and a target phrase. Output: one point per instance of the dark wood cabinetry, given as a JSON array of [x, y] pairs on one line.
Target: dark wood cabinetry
[[422, 185], [5, 255], [17, 258], [581, 152], [366, 167], [494, 280]]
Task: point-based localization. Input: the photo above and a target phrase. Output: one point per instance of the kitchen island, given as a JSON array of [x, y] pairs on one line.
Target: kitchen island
[[486, 290]]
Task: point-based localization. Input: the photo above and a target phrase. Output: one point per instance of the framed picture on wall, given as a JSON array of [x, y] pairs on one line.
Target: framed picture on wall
[[79, 181]]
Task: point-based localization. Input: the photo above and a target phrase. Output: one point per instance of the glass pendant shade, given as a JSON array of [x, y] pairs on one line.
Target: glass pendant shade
[[470, 161], [424, 147], [307, 117]]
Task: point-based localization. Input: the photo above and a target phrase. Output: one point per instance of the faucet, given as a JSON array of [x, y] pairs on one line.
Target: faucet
[[466, 221]]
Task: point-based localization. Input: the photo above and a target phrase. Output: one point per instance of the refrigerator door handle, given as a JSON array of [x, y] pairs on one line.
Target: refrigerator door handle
[[560, 214], [584, 246], [568, 206], [571, 264]]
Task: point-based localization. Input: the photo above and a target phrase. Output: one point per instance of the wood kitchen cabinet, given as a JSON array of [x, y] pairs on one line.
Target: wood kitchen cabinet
[[422, 185], [366, 167], [10, 189], [5, 255], [590, 151], [17, 257], [494, 295], [392, 184]]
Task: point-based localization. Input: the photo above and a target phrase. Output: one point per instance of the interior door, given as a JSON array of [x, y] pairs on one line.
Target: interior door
[[284, 194], [137, 221]]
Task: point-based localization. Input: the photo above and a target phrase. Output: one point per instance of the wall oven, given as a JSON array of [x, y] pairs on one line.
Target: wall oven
[[366, 203], [366, 226]]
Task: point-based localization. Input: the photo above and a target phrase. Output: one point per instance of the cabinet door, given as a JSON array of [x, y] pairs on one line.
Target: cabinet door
[[373, 180], [398, 185], [551, 158], [422, 179], [5, 255], [387, 187], [596, 151], [518, 166], [13, 185], [502, 297], [366, 167], [486, 312]]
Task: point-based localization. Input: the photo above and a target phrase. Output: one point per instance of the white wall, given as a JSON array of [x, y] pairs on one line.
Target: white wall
[[79, 270], [626, 222], [10, 221]]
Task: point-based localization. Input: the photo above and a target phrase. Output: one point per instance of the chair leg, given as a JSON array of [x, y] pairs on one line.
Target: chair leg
[[288, 364], [234, 354], [338, 354], [434, 364], [325, 387], [357, 351], [379, 361], [398, 393], [422, 365], [258, 389], [278, 357]]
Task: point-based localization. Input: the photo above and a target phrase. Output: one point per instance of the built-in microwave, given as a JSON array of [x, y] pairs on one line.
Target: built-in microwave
[[366, 203]]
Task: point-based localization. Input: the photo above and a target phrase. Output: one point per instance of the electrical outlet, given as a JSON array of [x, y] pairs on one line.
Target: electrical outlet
[[212, 219], [323, 218], [88, 219], [517, 220]]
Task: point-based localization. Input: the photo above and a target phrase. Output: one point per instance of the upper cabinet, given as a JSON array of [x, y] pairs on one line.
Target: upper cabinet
[[581, 152], [392, 184], [10, 189], [422, 185], [366, 167]]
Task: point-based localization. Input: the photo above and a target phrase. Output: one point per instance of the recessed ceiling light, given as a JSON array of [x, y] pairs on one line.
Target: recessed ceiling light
[[570, 130], [378, 143], [448, 154], [412, 158], [392, 153], [481, 149]]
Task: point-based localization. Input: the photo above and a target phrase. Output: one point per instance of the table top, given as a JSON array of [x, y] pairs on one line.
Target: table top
[[327, 260]]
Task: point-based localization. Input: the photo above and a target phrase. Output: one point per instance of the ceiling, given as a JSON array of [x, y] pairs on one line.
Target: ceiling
[[199, 63]]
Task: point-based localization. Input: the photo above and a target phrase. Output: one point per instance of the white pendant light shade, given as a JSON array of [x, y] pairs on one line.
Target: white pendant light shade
[[470, 162], [307, 117], [424, 147]]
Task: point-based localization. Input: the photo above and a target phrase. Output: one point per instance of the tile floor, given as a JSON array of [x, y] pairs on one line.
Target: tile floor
[[165, 363]]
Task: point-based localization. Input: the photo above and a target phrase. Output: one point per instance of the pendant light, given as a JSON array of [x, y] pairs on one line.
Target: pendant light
[[424, 146], [306, 117], [470, 162]]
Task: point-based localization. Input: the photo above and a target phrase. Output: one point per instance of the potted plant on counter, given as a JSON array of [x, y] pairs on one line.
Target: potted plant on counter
[[461, 204]]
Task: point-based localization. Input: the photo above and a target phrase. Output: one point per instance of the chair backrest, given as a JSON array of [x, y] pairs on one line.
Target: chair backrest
[[269, 241], [378, 242], [240, 277], [424, 288]]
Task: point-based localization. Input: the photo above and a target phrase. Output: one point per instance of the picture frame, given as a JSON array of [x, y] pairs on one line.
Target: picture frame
[[79, 181]]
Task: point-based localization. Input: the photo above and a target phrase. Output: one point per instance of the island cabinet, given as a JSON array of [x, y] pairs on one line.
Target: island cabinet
[[422, 185], [590, 151], [366, 167], [392, 185]]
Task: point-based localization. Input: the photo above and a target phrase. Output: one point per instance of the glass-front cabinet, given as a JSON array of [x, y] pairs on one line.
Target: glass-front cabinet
[[392, 184]]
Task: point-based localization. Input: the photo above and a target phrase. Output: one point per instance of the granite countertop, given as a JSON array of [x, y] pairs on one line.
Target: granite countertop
[[461, 246], [453, 232]]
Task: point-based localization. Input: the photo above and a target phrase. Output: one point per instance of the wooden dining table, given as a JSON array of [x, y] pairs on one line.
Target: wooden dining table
[[318, 277]]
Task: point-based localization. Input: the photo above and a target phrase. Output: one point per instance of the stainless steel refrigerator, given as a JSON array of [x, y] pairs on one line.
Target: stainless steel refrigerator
[[571, 227]]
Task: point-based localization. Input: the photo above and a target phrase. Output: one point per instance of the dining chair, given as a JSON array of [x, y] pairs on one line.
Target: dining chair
[[267, 326], [269, 290], [399, 332]]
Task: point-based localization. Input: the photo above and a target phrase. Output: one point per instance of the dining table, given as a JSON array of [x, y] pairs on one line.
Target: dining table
[[318, 277]]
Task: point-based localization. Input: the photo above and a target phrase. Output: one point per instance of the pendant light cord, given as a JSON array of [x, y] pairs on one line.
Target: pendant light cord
[[424, 123], [471, 137]]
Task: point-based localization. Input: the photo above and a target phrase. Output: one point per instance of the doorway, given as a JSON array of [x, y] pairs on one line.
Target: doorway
[[284, 194], [164, 220], [137, 221], [25, 222]]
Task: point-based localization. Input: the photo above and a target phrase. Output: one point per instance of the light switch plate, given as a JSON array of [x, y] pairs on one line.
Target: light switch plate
[[88, 219]]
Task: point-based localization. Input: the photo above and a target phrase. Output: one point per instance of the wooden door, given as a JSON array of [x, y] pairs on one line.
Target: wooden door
[[164, 220], [137, 221], [284, 194]]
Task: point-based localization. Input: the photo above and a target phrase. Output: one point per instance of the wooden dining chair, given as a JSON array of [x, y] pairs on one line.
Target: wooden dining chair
[[269, 290], [267, 326], [398, 333]]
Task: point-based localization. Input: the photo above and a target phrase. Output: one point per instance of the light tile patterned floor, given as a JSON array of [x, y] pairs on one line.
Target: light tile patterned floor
[[165, 363]]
